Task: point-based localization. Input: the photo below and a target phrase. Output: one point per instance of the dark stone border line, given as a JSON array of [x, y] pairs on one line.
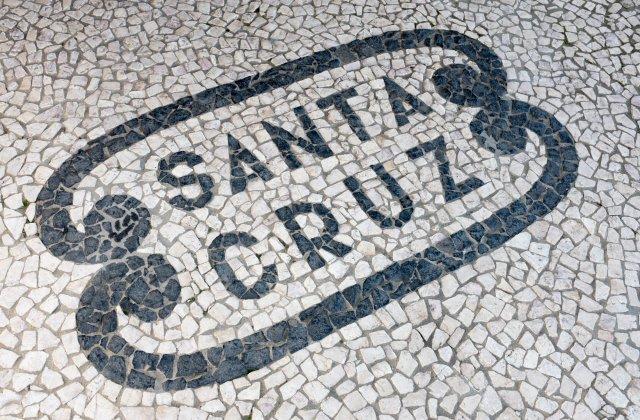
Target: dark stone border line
[[146, 285]]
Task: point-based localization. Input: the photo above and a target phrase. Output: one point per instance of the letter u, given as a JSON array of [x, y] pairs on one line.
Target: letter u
[[369, 207]]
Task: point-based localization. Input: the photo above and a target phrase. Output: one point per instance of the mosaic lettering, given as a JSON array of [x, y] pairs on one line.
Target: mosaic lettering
[[146, 285]]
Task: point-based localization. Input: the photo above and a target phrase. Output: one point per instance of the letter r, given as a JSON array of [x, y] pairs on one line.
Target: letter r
[[309, 247]]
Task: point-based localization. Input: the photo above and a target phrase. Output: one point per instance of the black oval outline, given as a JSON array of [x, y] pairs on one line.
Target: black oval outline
[[238, 357]]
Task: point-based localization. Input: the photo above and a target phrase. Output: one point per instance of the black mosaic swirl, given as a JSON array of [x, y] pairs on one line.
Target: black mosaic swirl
[[112, 229], [498, 126], [500, 129], [150, 290], [462, 85]]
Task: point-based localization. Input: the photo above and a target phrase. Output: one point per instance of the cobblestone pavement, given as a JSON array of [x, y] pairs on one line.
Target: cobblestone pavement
[[319, 210]]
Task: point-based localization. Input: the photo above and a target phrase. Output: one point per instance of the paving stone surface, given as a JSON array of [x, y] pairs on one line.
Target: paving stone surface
[[319, 209]]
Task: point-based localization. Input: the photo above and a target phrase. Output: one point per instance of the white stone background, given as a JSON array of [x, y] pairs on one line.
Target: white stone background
[[546, 326]]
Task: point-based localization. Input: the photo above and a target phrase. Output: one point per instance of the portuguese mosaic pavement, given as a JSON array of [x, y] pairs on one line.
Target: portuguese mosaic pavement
[[319, 210]]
